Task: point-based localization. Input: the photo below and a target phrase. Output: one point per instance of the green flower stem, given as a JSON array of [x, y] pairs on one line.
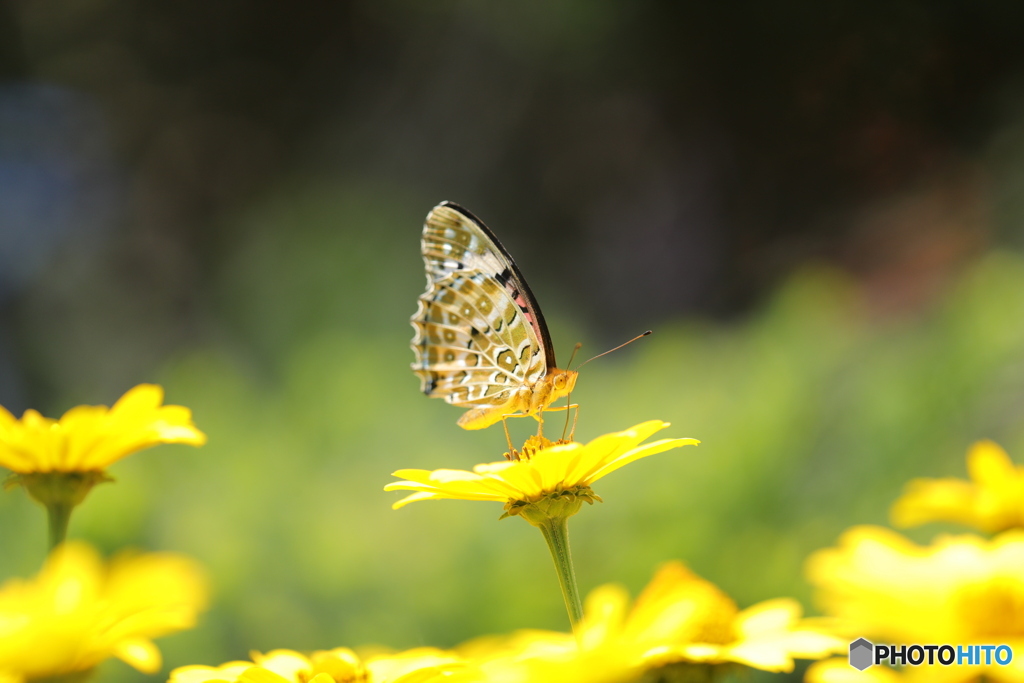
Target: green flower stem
[[59, 514], [59, 493], [556, 533]]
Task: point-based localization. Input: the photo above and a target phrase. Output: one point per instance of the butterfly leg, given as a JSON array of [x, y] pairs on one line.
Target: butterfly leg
[[540, 431], [575, 417], [551, 410], [504, 423]]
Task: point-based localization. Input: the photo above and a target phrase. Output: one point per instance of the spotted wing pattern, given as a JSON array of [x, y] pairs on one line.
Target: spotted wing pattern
[[480, 335]]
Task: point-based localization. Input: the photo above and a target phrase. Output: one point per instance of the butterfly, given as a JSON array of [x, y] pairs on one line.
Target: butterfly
[[481, 341]]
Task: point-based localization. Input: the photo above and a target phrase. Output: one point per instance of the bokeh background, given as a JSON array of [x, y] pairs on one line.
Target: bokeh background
[[818, 207]]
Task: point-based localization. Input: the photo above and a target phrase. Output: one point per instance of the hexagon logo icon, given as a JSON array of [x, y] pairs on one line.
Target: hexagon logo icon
[[861, 654]]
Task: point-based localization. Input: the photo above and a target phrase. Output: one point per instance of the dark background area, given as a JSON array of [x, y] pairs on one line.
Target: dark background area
[[648, 159]]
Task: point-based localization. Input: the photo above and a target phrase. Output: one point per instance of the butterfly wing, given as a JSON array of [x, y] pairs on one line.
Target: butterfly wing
[[480, 335]]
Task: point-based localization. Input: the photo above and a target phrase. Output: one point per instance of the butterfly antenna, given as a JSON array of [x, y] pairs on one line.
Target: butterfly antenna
[[639, 336], [568, 398], [576, 348]]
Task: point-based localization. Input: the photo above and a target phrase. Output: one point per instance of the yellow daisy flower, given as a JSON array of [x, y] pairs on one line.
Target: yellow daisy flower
[[679, 624], [341, 665], [680, 618], [553, 472], [79, 611], [91, 438], [545, 485], [59, 461], [533, 656], [961, 590], [992, 501]]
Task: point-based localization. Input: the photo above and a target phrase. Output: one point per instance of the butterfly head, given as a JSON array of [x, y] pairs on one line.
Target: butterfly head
[[562, 383]]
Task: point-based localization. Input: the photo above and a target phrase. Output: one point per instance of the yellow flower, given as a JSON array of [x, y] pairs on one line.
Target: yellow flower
[[681, 618], [340, 665], [993, 501], [556, 472], [533, 656], [678, 621], [839, 671], [961, 590], [90, 438], [78, 612]]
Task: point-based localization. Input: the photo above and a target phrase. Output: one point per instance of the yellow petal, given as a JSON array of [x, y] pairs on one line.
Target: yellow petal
[[604, 613], [226, 673], [637, 453], [286, 663], [427, 495], [764, 656], [139, 653], [928, 500], [769, 616], [608, 447], [257, 674], [988, 463], [139, 400]]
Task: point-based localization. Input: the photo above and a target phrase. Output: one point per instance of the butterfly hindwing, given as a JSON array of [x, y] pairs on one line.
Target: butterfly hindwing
[[479, 333]]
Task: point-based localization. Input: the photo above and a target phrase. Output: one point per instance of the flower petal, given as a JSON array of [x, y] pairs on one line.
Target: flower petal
[[557, 468], [769, 616], [140, 653], [637, 453], [988, 463]]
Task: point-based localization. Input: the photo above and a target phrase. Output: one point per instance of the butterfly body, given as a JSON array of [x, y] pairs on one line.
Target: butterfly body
[[481, 341], [527, 400]]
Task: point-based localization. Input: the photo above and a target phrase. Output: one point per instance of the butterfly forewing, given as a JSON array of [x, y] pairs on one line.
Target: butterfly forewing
[[479, 333]]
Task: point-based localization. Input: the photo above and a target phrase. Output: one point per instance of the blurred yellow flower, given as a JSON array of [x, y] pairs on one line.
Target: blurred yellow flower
[[340, 665], [681, 618], [679, 621], [532, 656], [961, 590], [840, 671], [90, 438], [79, 611], [992, 501], [553, 472]]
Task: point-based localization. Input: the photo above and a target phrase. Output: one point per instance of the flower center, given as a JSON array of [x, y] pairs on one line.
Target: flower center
[[533, 444], [716, 629], [994, 609]]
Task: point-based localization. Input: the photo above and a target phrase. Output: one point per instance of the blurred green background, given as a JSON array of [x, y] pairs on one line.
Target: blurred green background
[[816, 208]]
